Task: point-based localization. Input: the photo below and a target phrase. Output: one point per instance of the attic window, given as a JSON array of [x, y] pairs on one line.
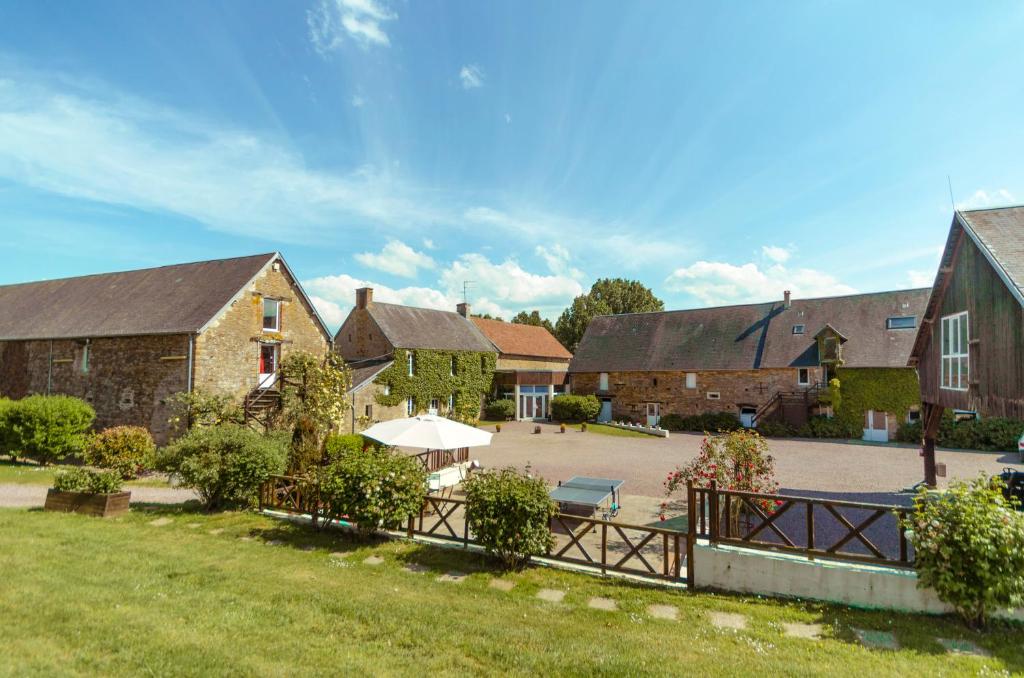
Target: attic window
[[798, 329], [271, 315], [714, 395], [906, 322]]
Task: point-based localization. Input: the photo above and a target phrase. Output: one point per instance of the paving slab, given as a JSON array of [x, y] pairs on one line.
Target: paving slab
[[670, 612], [454, 576], [877, 640], [373, 560], [606, 604], [963, 647], [217, 530], [273, 542], [551, 595], [728, 620], [798, 630], [502, 584], [160, 522], [416, 568]]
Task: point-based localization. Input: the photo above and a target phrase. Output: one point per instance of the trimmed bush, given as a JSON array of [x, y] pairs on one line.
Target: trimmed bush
[[969, 546], [84, 480], [510, 515], [575, 407], [503, 409], [711, 421], [992, 434], [776, 429], [7, 437], [126, 450], [820, 426], [339, 444], [374, 488], [225, 464], [48, 429]]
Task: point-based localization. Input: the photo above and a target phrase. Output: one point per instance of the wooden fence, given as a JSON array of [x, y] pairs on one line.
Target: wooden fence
[[816, 528], [435, 460]]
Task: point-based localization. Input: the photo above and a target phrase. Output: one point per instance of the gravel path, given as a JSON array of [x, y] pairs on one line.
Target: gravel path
[[29, 496]]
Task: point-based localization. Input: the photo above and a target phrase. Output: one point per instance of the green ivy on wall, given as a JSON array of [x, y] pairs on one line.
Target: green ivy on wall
[[433, 378], [883, 389]]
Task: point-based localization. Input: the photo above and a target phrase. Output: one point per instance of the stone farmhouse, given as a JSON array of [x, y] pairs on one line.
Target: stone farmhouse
[[126, 341], [757, 361], [532, 366], [407, 360], [969, 350]]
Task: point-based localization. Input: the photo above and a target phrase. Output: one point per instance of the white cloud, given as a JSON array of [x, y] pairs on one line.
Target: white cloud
[[335, 295], [397, 258], [715, 282], [982, 198], [921, 278], [557, 259], [779, 255], [358, 101], [429, 244], [331, 20], [471, 76]]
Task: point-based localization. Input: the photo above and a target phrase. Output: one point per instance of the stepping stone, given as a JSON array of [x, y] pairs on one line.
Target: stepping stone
[[274, 542], [246, 538], [416, 568], [453, 576], [669, 612], [808, 631], [878, 640], [502, 584], [962, 647], [160, 522], [339, 554], [373, 560], [218, 530], [309, 547], [606, 604], [728, 620], [551, 595]]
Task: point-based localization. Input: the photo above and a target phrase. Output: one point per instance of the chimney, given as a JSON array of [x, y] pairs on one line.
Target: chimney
[[786, 299], [364, 297], [463, 309]]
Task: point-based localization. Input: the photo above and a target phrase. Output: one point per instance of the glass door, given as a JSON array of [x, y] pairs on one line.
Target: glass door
[[268, 365]]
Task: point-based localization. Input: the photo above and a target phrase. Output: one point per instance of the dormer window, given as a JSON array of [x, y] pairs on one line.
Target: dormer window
[[903, 322], [798, 329], [271, 315]]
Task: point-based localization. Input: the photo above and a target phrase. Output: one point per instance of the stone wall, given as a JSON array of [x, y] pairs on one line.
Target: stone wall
[[630, 391], [367, 395], [227, 352], [360, 337], [539, 364], [126, 379]]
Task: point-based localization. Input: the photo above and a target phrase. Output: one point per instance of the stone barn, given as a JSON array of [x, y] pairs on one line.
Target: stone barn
[[126, 341]]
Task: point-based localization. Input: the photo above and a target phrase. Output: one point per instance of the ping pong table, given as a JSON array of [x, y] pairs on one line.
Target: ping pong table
[[580, 494]]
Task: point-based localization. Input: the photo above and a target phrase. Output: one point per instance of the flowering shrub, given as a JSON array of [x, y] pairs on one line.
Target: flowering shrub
[[969, 546], [126, 450], [510, 515]]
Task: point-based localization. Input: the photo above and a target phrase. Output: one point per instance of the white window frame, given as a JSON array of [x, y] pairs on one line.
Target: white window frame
[[451, 402], [277, 315], [85, 358], [411, 362], [691, 380], [801, 329], [435, 406], [958, 327], [410, 406], [806, 371], [602, 381], [387, 389], [453, 367], [714, 395], [912, 318]]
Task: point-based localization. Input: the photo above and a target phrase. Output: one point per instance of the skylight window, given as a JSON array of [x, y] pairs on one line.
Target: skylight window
[[905, 322], [798, 329]]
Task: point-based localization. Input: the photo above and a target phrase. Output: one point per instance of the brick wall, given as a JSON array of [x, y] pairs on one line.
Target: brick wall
[[631, 390], [227, 352], [126, 381]]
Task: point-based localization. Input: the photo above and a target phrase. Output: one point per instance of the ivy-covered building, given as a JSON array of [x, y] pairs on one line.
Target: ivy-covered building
[[761, 362], [407, 361]]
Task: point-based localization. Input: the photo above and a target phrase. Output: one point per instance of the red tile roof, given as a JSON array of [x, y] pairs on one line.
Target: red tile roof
[[525, 340]]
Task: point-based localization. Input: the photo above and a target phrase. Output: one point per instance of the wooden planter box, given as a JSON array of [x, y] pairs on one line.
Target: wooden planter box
[[102, 505]]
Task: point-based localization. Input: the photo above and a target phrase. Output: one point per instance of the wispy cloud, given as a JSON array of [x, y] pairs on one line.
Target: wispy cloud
[[982, 198], [397, 258], [779, 255], [331, 21], [921, 278], [471, 76], [357, 101]]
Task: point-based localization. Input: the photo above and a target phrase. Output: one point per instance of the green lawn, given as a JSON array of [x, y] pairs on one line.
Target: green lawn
[[210, 595], [33, 474], [601, 429]]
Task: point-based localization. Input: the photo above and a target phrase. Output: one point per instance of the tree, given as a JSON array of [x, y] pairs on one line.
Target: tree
[[487, 316], [533, 318], [315, 399], [607, 296]]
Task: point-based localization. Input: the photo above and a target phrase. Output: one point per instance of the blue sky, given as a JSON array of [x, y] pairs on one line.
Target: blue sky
[[719, 152]]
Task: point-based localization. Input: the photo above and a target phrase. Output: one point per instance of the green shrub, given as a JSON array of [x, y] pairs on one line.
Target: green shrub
[[196, 409], [225, 464], [992, 434], [374, 488], [500, 409], [969, 546], [575, 407], [910, 432], [510, 515], [126, 450], [84, 480], [672, 422], [776, 429], [710, 421], [48, 429], [820, 426], [339, 444], [7, 437]]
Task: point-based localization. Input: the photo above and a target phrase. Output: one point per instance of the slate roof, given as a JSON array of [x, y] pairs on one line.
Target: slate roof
[[752, 335], [412, 327], [522, 340], [363, 371], [1001, 233], [165, 300]]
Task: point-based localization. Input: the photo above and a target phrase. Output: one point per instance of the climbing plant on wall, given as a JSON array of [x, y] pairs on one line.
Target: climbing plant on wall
[[433, 378], [892, 390]]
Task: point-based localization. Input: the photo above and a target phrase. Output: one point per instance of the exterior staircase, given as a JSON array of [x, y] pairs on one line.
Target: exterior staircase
[[261, 405], [791, 407]]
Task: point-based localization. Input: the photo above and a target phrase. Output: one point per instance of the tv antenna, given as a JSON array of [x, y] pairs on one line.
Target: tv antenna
[[466, 284], [951, 200]]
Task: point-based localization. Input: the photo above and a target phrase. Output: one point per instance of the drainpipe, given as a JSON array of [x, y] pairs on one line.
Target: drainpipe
[[49, 369], [191, 350]]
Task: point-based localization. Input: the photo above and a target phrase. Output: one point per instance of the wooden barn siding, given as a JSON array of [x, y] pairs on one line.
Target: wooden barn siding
[[996, 320]]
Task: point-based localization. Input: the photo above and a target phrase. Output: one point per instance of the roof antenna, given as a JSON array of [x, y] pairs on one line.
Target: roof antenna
[[951, 200], [465, 290]]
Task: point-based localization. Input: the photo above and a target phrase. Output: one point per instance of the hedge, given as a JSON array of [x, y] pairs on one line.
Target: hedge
[[503, 409], [47, 429], [992, 434], [710, 421], [575, 407]]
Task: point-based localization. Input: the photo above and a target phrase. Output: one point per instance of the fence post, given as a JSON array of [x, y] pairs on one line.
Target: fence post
[[604, 548], [411, 526], [713, 510], [691, 534]]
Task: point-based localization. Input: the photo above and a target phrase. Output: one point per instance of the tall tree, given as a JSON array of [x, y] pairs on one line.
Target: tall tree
[[533, 318], [607, 296]]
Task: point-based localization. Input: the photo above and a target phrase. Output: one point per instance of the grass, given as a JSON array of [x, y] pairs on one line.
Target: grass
[[604, 430], [18, 473], [210, 594]]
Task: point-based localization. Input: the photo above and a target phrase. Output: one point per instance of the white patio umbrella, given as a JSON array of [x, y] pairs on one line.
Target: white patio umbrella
[[428, 432]]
